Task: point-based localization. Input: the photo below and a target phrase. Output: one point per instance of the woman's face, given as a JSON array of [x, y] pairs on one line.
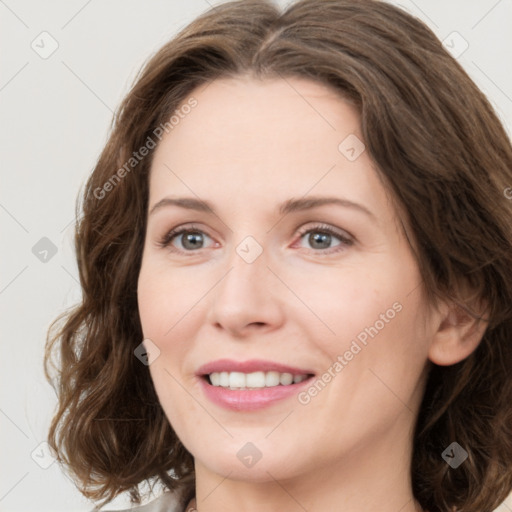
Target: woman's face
[[299, 267]]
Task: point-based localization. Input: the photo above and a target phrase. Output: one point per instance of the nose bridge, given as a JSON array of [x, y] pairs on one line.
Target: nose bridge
[[248, 273], [242, 296]]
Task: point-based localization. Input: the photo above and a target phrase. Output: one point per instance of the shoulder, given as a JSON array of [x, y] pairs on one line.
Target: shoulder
[[166, 502]]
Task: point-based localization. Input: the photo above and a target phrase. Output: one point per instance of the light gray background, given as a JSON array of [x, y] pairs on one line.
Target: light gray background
[[55, 113]]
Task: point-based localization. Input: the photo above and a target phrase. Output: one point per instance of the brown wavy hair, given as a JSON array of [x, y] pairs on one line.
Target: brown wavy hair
[[447, 162]]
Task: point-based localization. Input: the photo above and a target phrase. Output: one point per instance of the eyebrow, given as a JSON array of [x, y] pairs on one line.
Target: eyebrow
[[289, 206]]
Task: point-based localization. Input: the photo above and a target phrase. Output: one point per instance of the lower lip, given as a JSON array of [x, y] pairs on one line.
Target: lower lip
[[250, 399]]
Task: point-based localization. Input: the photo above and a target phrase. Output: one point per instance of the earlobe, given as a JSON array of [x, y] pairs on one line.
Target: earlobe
[[458, 335]]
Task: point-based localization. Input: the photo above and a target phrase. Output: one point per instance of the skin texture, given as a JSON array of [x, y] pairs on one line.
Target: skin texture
[[247, 147]]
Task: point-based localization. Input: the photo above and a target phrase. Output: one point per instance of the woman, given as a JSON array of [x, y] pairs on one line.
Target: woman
[[295, 252]]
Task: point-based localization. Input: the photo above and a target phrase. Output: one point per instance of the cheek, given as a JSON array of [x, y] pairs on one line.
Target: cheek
[[163, 299], [374, 372], [164, 303], [148, 298], [374, 320], [350, 303]]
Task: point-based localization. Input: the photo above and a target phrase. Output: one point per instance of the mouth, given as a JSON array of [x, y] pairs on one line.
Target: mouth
[[250, 385], [254, 380]]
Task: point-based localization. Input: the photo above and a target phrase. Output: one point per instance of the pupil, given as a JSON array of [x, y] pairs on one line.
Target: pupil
[[194, 239], [323, 237]]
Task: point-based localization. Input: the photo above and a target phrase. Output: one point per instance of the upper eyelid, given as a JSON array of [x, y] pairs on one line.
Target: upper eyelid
[[319, 225]]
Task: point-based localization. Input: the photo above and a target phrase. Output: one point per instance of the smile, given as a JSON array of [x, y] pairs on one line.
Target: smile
[[251, 385], [254, 380]]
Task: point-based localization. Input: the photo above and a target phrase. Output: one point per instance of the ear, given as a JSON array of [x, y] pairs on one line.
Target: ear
[[458, 334]]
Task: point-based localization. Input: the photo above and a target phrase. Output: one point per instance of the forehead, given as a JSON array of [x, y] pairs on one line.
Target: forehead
[[267, 140]]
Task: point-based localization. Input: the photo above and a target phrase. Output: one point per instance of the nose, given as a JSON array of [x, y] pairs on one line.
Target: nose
[[247, 299]]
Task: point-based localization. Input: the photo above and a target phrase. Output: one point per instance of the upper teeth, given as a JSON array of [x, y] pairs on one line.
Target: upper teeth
[[237, 380]]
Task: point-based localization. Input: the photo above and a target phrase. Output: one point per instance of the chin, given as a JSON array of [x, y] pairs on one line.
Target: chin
[[261, 472]]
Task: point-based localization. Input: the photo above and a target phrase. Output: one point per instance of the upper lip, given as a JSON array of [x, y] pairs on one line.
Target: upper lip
[[252, 365]]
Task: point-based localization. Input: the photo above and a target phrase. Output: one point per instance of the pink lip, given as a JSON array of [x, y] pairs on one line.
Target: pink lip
[[253, 365], [249, 399]]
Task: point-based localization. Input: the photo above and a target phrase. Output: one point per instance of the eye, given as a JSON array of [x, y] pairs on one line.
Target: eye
[[321, 236], [190, 236]]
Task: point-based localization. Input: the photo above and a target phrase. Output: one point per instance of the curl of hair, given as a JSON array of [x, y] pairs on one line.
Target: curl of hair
[[440, 150]]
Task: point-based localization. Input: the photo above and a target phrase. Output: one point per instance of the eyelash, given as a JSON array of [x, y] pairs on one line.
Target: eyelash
[[165, 241]]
